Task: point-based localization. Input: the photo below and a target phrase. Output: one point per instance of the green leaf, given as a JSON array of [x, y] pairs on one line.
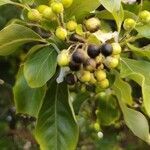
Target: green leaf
[[108, 112], [56, 127], [139, 51], [80, 8], [137, 123], [27, 100], [3, 2], [40, 66], [111, 5], [14, 36], [139, 72], [144, 30], [125, 90], [80, 98]]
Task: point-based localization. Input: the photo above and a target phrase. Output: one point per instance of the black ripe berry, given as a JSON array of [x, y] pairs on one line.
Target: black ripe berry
[[93, 50], [106, 49], [74, 66], [78, 56], [70, 79]]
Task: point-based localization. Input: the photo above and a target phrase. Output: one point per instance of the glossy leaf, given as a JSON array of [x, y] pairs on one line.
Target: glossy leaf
[[14, 36], [139, 51], [139, 72], [144, 30], [40, 66], [125, 89], [27, 100], [80, 8], [56, 127], [137, 123]]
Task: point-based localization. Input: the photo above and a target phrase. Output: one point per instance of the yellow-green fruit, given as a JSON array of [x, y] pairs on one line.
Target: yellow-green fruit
[[96, 126], [49, 14], [61, 33], [104, 84], [41, 8], [145, 16], [71, 25], [67, 3], [116, 48], [63, 58], [85, 76], [93, 80], [57, 7], [99, 59], [117, 56], [111, 62], [34, 15], [92, 24], [100, 75], [129, 24]]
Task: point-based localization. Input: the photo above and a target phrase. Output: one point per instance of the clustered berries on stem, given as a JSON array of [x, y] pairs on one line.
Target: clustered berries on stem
[[89, 63]]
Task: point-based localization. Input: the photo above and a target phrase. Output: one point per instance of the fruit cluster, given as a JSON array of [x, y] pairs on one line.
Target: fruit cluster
[[89, 64]]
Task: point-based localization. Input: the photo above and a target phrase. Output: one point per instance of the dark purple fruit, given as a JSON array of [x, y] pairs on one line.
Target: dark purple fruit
[[90, 64], [93, 50], [106, 49], [74, 66], [78, 56], [71, 79]]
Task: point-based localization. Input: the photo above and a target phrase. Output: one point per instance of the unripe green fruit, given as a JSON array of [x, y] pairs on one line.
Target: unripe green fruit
[[96, 126], [93, 80], [116, 56], [100, 75], [41, 8], [116, 48], [129, 24], [145, 16], [111, 62], [99, 59], [61, 33], [48, 14], [85, 76], [67, 3], [104, 84], [63, 58], [34, 15], [57, 7], [92, 24], [71, 25]]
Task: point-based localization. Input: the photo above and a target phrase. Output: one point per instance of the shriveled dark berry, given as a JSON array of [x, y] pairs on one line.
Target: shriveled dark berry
[[78, 56], [93, 50], [74, 66], [106, 49], [90, 64], [77, 38], [71, 79]]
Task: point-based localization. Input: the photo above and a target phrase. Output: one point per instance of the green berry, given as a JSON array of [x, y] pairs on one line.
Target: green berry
[[104, 84], [48, 14], [41, 8], [63, 58], [145, 16], [111, 62], [67, 3], [90, 64], [100, 75], [85, 76], [34, 15], [57, 7], [116, 48], [61, 33], [71, 25], [92, 24], [93, 80], [129, 24]]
